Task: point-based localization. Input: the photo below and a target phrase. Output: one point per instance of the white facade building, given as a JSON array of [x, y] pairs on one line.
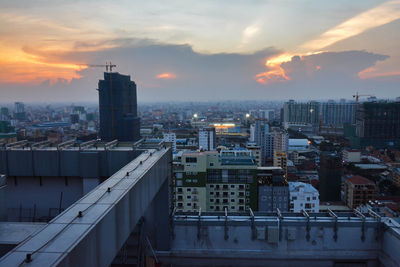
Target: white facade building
[[171, 138], [207, 139], [303, 196]]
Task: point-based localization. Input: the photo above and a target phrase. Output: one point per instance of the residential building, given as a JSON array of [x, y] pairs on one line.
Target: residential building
[[298, 144], [215, 181], [273, 190], [358, 191], [296, 112], [19, 111], [280, 160], [281, 141], [303, 197], [170, 138], [338, 113], [207, 139], [256, 151], [118, 108]]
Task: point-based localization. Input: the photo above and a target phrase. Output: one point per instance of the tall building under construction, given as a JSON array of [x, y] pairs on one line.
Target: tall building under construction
[[118, 108]]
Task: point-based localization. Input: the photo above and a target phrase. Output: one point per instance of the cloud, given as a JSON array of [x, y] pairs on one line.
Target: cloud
[[375, 17], [166, 76], [199, 76]]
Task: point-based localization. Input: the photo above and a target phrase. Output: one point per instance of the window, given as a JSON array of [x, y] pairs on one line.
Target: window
[[188, 189], [294, 198], [188, 197], [308, 198], [232, 207], [241, 208], [247, 186], [308, 206], [191, 160], [179, 183], [180, 190], [211, 186], [211, 164], [241, 200], [189, 204], [211, 193], [180, 197], [211, 200], [247, 193], [314, 198], [211, 207], [232, 193], [232, 200], [232, 186], [180, 204], [179, 175], [241, 186]]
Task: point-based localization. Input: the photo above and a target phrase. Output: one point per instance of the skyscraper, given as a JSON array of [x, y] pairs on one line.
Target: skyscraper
[[118, 108], [330, 177]]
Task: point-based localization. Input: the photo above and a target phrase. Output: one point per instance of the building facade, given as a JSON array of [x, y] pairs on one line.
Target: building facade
[[207, 139], [330, 177], [303, 196], [215, 181], [273, 190], [358, 191], [170, 138]]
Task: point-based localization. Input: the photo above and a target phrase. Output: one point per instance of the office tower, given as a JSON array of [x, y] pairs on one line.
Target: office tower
[[330, 177], [118, 108], [207, 139], [273, 190], [377, 124], [4, 114], [170, 138], [303, 196], [358, 191], [308, 112], [19, 111]]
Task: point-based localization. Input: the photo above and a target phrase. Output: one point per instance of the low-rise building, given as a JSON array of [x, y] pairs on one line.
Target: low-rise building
[[273, 190], [256, 150], [303, 196], [351, 155], [358, 191], [280, 160]]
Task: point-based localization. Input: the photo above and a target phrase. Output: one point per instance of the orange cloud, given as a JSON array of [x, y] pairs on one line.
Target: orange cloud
[[166, 75], [373, 73]]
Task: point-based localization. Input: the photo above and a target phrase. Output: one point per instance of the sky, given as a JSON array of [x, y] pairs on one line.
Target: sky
[[184, 50]]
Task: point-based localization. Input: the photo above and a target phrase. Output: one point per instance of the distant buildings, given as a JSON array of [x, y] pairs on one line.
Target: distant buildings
[[330, 177], [207, 139], [297, 112], [118, 108], [377, 125], [358, 191], [298, 144], [303, 196], [19, 111], [170, 138]]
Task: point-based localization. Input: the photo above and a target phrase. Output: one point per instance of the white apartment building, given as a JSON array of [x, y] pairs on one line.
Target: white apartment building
[[171, 138], [303, 196], [207, 139]]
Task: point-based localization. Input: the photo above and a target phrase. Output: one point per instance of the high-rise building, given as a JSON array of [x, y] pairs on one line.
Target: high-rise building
[[330, 177], [170, 138], [377, 124], [207, 139], [358, 191], [19, 111], [265, 139], [118, 108], [338, 113], [303, 196], [308, 112]]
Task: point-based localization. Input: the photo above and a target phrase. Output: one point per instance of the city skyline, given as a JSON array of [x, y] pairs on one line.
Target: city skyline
[[201, 51]]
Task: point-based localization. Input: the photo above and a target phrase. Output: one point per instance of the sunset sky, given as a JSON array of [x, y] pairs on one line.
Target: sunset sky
[[201, 50]]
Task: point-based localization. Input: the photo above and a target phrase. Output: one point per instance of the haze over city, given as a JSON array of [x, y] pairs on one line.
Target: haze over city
[[199, 51]]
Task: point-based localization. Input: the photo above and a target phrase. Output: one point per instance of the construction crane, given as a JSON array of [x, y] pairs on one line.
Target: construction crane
[[109, 66], [357, 96]]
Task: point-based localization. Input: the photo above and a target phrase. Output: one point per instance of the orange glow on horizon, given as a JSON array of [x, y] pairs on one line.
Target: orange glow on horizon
[[166, 75]]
